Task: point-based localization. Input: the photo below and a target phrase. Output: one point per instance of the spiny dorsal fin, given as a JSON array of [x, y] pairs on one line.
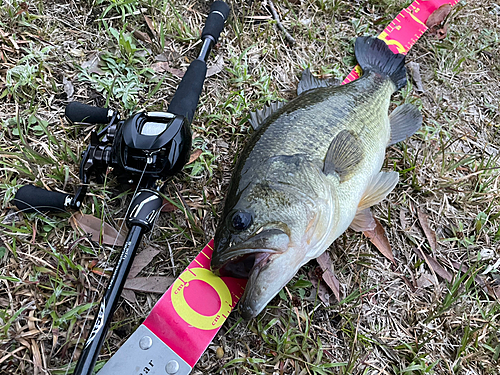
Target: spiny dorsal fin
[[363, 221], [259, 116], [343, 155], [405, 121], [309, 82], [380, 186]]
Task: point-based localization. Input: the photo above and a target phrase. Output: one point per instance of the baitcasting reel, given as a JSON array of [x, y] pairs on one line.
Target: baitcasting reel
[[145, 149]]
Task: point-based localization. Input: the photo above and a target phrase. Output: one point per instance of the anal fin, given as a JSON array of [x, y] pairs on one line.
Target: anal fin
[[405, 121], [363, 221], [343, 155]]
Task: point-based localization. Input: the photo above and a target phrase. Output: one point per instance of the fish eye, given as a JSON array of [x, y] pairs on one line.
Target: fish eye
[[241, 220]]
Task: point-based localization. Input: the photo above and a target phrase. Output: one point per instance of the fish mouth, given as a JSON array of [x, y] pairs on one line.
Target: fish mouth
[[243, 259], [243, 266]]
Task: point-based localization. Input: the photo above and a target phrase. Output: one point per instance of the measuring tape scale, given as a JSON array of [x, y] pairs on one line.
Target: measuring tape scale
[[187, 317]]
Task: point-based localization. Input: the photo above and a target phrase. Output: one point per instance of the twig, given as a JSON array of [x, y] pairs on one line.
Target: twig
[[288, 37]]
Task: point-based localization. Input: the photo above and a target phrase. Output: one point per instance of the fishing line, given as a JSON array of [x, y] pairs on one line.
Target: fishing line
[[106, 264]]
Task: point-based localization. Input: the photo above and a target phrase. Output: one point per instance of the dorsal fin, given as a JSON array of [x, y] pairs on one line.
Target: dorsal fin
[[259, 116], [343, 155], [309, 82]]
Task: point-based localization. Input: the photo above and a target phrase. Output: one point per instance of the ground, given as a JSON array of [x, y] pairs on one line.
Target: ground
[[434, 311]]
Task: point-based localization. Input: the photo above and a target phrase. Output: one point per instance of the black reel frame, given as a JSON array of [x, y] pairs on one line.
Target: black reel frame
[[145, 149]]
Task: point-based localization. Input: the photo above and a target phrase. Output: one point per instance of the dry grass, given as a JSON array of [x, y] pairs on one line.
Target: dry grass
[[403, 319]]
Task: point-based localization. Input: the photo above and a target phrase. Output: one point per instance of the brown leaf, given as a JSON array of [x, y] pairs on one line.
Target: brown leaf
[[434, 265], [153, 284], [195, 155], [99, 231], [142, 36], [216, 67], [325, 262], [379, 240], [150, 26], [438, 16], [323, 292], [436, 19], [142, 260], [167, 206], [414, 69], [129, 295], [423, 218], [92, 64], [492, 290], [163, 66]]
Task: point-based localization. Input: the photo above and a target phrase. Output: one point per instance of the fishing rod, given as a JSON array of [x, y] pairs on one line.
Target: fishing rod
[[145, 149]]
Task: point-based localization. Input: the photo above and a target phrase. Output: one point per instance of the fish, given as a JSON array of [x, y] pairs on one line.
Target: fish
[[310, 170]]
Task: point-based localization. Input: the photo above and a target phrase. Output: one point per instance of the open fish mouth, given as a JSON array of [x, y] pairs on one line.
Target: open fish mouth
[[244, 265], [240, 260]]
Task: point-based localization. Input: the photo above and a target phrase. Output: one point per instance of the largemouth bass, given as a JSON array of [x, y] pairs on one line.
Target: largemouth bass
[[310, 170]]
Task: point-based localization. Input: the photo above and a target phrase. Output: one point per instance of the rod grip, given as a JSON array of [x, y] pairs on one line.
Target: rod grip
[[79, 112], [188, 92], [219, 12], [31, 198]]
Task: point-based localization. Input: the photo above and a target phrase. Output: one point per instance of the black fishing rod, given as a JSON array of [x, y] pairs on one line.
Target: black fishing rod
[[145, 149]]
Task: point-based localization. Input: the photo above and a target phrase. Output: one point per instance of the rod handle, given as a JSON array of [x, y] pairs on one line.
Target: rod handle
[[79, 112], [219, 11]]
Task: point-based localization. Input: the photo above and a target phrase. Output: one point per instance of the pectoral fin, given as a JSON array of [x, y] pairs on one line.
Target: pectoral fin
[[405, 121], [381, 185], [343, 155]]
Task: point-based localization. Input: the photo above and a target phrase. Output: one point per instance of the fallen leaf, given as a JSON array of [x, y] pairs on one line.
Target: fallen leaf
[[423, 218], [163, 66], [150, 26], [378, 238], [434, 265], [129, 295], [217, 66], [142, 260], [68, 88], [194, 155], [140, 35], [325, 262], [436, 19], [426, 279], [492, 290], [438, 16], [99, 231], [322, 290], [92, 64], [153, 284], [414, 69], [167, 206]]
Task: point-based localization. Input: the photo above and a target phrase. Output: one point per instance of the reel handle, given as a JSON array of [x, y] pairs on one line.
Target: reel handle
[[30, 198], [79, 112]]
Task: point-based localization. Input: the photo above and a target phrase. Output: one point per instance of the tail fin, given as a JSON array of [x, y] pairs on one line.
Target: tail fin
[[375, 56]]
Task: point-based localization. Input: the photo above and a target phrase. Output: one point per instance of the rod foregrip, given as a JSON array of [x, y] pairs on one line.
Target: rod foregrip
[[188, 93], [31, 198], [219, 11], [79, 112]]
